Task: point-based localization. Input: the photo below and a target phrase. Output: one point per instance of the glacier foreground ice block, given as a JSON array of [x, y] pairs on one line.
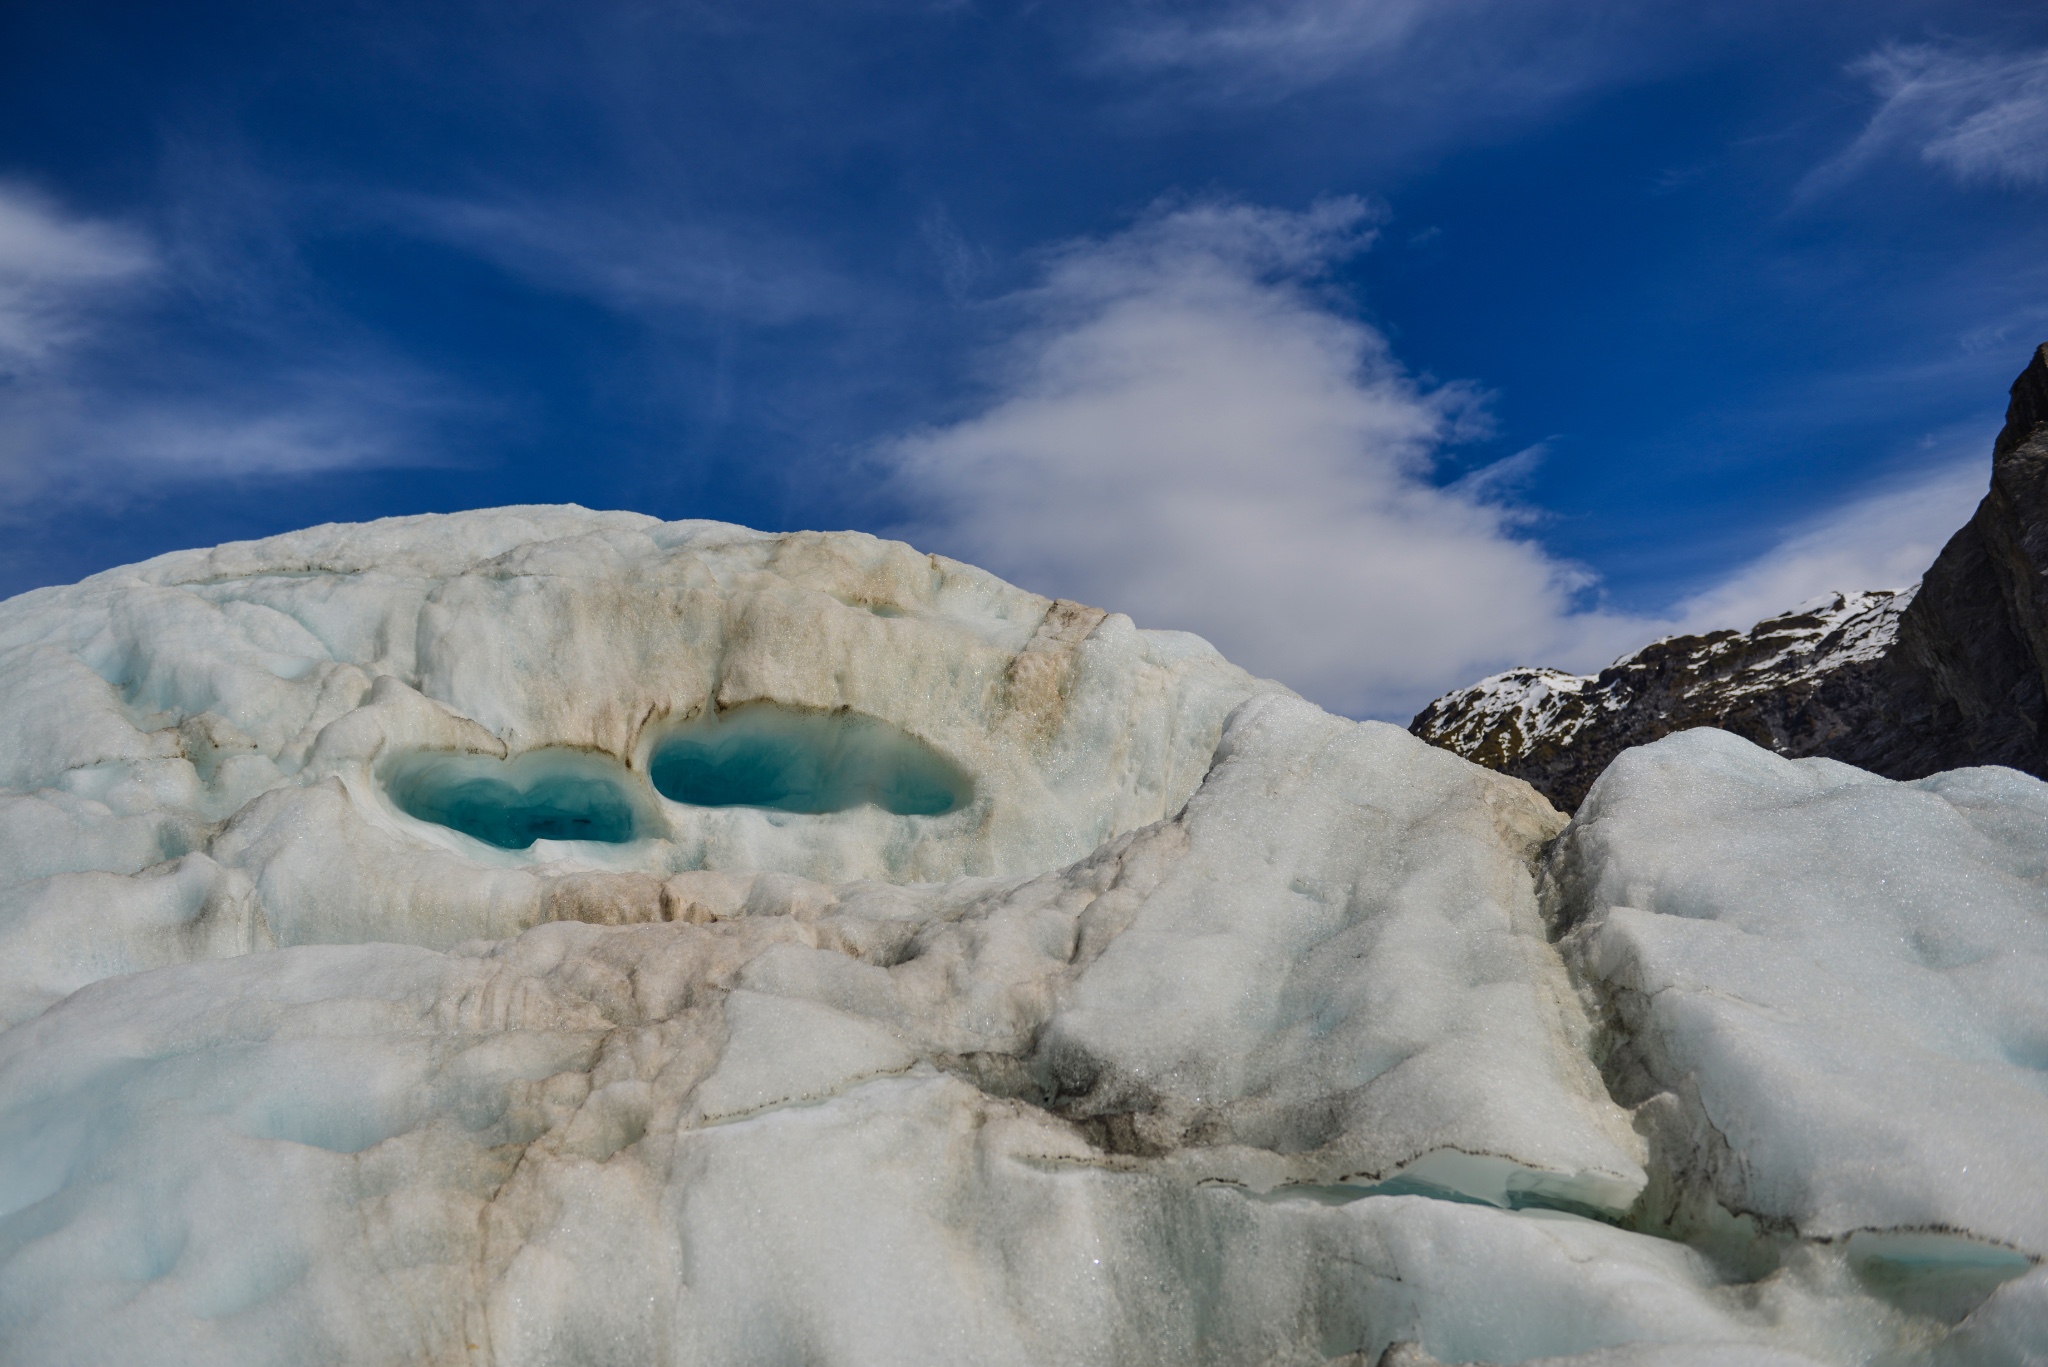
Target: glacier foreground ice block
[[1109, 1109], [1830, 991], [1341, 967], [989, 980]]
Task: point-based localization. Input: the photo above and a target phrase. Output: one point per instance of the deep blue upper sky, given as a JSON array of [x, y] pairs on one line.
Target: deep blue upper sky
[[1178, 307]]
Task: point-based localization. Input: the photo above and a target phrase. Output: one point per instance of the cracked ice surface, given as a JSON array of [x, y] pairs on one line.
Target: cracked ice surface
[[1111, 1060]]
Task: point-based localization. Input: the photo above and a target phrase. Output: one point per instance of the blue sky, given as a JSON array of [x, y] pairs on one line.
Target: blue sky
[[1384, 342]]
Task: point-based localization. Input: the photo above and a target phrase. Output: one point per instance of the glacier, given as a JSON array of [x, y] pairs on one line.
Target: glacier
[[542, 936]]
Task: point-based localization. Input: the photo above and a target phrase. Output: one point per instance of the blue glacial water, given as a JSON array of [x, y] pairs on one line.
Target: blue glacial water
[[541, 795], [793, 760]]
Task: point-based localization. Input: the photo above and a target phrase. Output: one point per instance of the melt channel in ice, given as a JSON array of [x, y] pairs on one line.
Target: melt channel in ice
[[553, 937]]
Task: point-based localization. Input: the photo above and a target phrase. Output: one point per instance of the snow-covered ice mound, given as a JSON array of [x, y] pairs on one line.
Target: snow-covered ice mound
[[550, 937]]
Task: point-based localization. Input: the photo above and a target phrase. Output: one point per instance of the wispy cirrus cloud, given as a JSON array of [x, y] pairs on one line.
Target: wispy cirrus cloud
[[1304, 41], [93, 408], [1978, 115], [1885, 538], [56, 269], [1447, 66], [633, 259]]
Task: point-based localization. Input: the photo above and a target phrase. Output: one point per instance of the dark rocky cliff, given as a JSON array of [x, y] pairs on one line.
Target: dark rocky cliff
[[1902, 684]]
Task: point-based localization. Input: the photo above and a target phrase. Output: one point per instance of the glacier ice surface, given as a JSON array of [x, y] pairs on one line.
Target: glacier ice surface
[[1829, 986], [553, 937]]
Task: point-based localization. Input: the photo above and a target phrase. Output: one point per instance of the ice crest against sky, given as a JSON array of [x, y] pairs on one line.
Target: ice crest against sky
[[1386, 344]]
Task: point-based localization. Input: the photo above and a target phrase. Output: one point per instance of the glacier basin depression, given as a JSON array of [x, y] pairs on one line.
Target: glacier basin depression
[[539, 936]]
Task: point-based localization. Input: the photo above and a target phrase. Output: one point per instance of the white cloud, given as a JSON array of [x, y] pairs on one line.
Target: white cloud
[[1297, 41], [54, 268], [1884, 539], [91, 410], [1436, 70], [635, 263], [66, 439], [1188, 431], [1980, 116], [1185, 428], [960, 263]]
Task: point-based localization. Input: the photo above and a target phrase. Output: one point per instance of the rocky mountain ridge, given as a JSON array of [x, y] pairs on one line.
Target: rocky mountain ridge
[[1907, 683]]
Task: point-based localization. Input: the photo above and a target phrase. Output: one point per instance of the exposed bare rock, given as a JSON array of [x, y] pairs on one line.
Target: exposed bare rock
[[1797, 683], [1903, 683]]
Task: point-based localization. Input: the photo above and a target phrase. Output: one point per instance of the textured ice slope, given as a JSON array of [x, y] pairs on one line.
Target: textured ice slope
[[1831, 989], [291, 688], [549, 937]]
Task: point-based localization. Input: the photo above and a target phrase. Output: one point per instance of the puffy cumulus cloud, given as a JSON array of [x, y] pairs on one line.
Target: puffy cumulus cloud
[[55, 268], [1883, 539], [1980, 116], [1188, 430]]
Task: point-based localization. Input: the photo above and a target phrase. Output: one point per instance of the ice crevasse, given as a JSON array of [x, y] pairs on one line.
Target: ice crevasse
[[538, 936]]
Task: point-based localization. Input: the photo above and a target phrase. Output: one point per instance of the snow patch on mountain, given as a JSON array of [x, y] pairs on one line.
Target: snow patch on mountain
[[1537, 722]]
